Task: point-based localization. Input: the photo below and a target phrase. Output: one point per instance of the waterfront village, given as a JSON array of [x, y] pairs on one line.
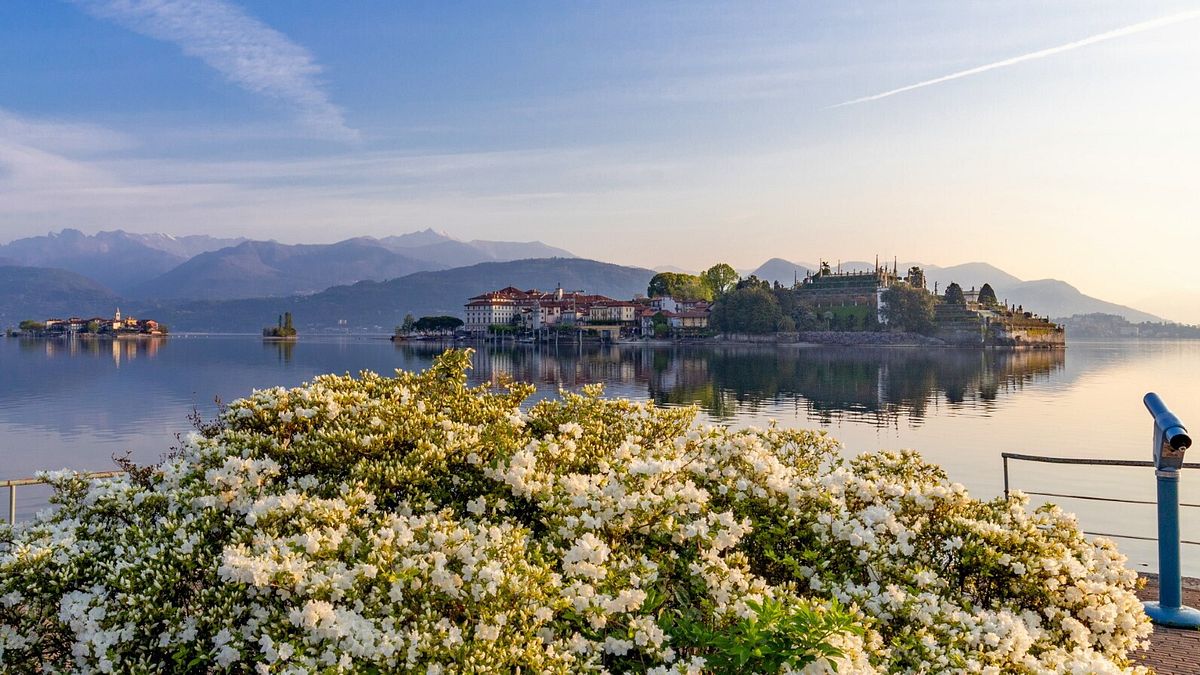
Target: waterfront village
[[876, 304], [112, 327]]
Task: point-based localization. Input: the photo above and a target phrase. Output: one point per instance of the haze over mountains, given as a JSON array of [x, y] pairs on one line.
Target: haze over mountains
[[160, 267], [207, 283], [381, 305], [119, 260]]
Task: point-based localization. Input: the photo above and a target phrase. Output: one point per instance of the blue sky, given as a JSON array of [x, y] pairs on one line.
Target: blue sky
[[640, 133]]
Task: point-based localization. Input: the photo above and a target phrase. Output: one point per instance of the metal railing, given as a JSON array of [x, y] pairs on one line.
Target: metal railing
[[1094, 462], [14, 483]]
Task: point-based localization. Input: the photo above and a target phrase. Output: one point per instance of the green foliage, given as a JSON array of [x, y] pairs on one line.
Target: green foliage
[[954, 295], [987, 296], [800, 314], [93, 327], [753, 281], [910, 309], [437, 324], [775, 636], [414, 523], [407, 325], [721, 279], [686, 287], [753, 309], [283, 327], [31, 325]]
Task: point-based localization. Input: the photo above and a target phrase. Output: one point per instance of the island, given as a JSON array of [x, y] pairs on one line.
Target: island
[[282, 330], [877, 306], [95, 327]]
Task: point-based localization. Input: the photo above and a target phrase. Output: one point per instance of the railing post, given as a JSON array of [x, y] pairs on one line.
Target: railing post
[[1170, 440], [12, 504], [1005, 457]]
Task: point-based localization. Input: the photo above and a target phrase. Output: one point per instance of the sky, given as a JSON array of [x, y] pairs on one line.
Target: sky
[[1053, 140]]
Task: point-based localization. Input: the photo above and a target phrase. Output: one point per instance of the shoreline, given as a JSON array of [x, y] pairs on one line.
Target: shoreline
[[93, 336]]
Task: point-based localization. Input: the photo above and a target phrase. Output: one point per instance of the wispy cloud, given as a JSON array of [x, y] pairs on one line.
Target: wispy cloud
[[60, 136], [1140, 27], [249, 53]]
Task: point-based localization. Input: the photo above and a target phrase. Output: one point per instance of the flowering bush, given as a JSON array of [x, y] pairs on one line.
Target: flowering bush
[[414, 524]]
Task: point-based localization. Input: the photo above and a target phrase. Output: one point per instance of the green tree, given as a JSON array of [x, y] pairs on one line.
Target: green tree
[[909, 308], [407, 326], [93, 327], [679, 286], [987, 296], [747, 310], [436, 324], [31, 325], [661, 325], [753, 281], [283, 327], [954, 295], [798, 311], [720, 278]]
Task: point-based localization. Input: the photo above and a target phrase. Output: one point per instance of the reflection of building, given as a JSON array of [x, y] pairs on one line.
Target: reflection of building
[[877, 387]]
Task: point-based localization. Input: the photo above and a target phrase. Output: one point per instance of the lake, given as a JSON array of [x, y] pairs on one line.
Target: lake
[[76, 404]]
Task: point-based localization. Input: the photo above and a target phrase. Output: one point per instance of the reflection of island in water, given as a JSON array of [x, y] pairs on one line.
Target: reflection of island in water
[[117, 349], [282, 349], [876, 386]]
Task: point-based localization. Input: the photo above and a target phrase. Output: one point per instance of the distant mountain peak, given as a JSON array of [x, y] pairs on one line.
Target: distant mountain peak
[[423, 237]]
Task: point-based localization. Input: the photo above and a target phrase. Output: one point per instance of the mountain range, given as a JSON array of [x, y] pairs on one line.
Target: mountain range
[[381, 305], [119, 260], [214, 284], [162, 267], [1046, 297]]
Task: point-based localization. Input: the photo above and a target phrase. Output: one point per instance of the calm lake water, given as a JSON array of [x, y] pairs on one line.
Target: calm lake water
[[77, 404]]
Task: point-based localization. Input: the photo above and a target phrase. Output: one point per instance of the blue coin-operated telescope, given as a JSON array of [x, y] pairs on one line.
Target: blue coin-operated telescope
[[1171, 440]]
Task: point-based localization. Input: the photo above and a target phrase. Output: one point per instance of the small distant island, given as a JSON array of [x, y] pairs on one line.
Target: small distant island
[[1098, 325], [282, 330], [95, 327]]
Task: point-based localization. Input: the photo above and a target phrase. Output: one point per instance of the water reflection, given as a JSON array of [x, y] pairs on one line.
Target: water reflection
[[282, 349], [118, 350], [877, 386]]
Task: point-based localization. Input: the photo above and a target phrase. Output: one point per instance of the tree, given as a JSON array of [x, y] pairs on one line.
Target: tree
[[661, 325], [799, 312], [753, 281], [720, 278], [31, 325], [909, 308], [93, 327], [437, 324], [282, 329], [687, 287], [747, 310], [987, 296], [954, 295], [407, 326]]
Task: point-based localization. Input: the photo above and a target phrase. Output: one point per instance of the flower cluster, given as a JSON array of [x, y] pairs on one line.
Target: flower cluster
[[414, 524]]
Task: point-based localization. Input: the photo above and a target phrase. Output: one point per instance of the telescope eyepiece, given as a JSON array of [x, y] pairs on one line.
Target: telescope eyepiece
[[1177, 438]]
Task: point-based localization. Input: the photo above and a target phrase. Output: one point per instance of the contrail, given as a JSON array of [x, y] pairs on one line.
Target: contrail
[[1041, 54]]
